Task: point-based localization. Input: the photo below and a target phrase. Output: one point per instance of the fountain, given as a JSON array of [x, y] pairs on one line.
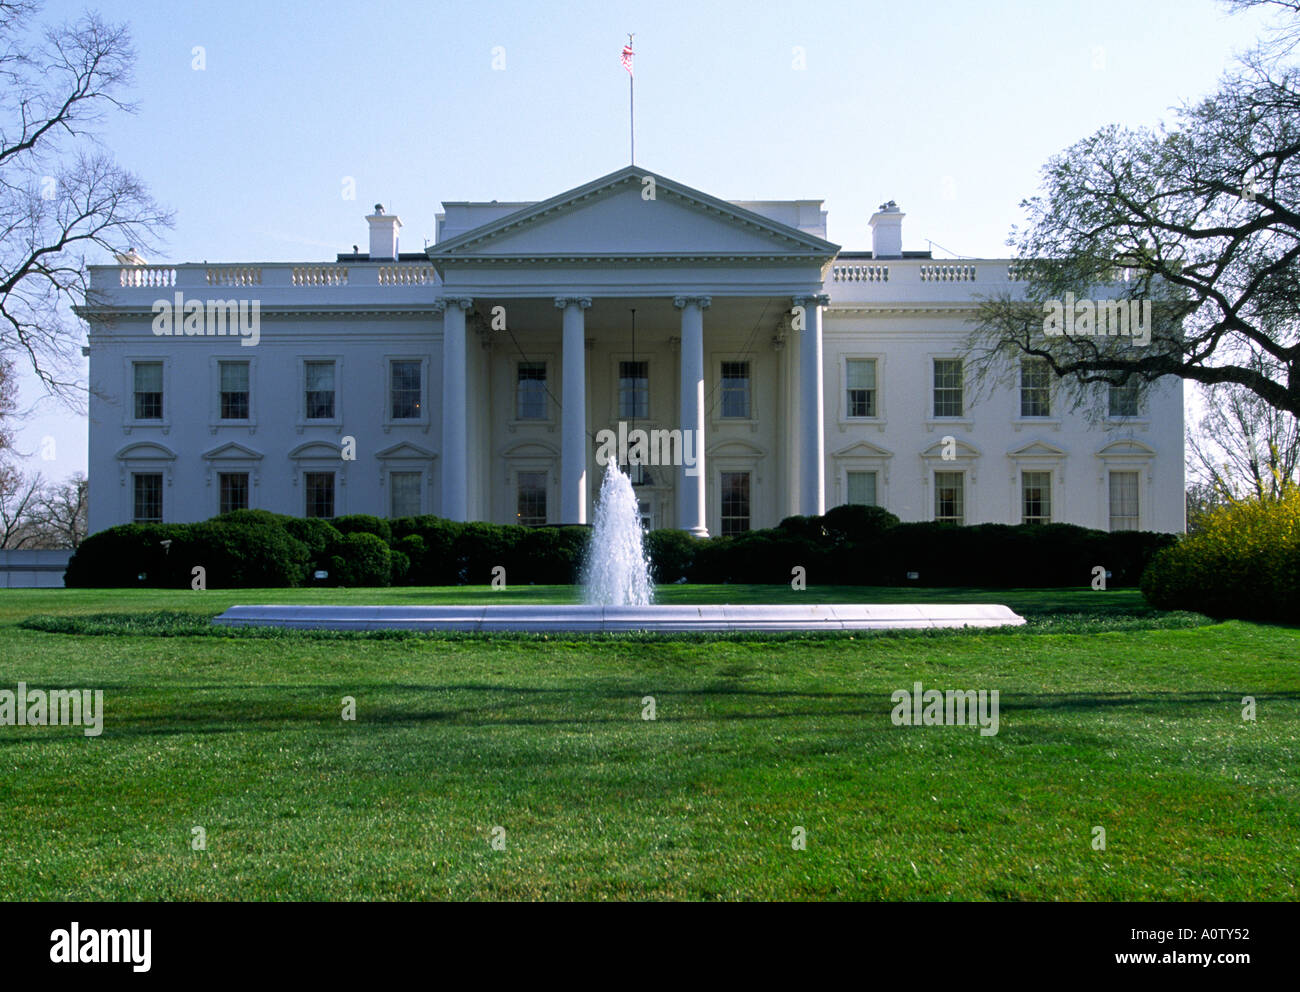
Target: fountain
[[617, 571], [619, 598]]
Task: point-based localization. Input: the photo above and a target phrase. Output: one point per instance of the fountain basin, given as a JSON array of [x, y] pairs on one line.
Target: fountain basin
[[624, 619]]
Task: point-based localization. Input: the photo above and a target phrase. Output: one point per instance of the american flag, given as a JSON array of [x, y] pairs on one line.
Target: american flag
[[627, 58]]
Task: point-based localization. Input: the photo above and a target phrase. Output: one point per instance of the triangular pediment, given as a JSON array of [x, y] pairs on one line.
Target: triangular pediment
[[959, 449], [231, 451], [613, 218], [405, 450], [862, 449], [1037, 449]]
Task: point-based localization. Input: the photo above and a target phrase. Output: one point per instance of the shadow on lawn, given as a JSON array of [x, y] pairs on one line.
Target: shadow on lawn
[[589, 708]]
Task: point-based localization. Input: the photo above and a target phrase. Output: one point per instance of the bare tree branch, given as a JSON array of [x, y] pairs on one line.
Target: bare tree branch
[[1202, 220], [62, 197]]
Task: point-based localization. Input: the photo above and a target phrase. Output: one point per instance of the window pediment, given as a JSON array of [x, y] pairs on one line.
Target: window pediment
[[231, 451]]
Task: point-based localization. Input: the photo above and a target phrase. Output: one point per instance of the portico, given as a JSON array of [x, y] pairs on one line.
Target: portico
[[718, 291]]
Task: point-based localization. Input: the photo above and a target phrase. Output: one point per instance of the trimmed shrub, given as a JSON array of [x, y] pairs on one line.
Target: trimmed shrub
[[247, 553], [437, 565], [261, 518], [239, 556], [364, 523], [865, 546], [317, 533], [412, 547], [766, 556], [361, 559], [480, 547], [116, 558], [672, 554], [857, 524], [1244, 562], [809, 527], [400, 566], [548, 555]]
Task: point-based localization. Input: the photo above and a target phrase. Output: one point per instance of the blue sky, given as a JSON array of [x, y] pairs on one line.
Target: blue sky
[[950, 108]]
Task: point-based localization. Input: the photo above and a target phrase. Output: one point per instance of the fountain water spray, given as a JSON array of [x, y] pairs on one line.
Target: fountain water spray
[[617, 572]]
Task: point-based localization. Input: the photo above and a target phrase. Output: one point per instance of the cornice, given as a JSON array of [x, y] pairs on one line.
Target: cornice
[[633, 258]]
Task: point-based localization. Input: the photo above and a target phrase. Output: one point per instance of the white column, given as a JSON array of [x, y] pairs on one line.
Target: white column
[[573, 414], [690, 479], [455, 413], [812, 431]]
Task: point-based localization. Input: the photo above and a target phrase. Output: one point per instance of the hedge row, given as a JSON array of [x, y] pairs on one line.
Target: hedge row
[[869, 546], [256, 548], [1243, 561], [851, 545]]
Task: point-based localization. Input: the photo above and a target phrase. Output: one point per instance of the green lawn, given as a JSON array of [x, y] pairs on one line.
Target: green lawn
[[1134, 725]]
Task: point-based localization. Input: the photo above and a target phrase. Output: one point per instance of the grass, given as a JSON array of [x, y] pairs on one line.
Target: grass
[[1112, 715]]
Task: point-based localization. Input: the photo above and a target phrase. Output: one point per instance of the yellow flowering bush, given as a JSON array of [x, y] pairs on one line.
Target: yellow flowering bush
[[1244, 562]]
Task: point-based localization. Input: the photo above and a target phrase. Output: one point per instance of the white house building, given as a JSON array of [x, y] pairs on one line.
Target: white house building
[[474, 380]]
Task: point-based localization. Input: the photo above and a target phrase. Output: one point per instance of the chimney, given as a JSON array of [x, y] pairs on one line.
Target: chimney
[[383, 234], [887, 231]]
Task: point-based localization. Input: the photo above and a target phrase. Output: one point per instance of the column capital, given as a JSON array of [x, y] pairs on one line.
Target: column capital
[[812, 300], [441, 304], [582, 301], [703, 302]]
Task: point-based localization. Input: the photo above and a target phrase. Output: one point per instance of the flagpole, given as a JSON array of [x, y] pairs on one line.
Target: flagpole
[[631, 105]]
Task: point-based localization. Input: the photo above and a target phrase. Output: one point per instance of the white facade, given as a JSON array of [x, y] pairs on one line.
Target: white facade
[[473, 380]]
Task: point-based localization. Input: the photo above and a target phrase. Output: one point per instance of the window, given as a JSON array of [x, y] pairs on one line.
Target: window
[[947, 387], [147, 488], [950, 497], [861, 488], [1035, 388], [234, 390], [148, 390], [1123, 501], [405, 390], [530, 391], [1036, 497], [860, 382], [735, 503], [320, 391], [234, 491], [404, 494], [633, 390], [735, 391], [319, 488], [532, 499], [1124, 399]]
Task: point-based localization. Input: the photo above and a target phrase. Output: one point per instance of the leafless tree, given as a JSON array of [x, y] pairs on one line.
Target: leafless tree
[[62, 195], [8, 403], [1243, 447], [1285, 34], [19, 502], [61, 513]]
